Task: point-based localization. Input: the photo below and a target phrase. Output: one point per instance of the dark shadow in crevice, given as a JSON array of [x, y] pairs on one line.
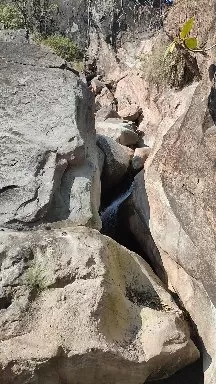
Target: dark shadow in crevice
[[193, 374], [5, 302], [212, 94]]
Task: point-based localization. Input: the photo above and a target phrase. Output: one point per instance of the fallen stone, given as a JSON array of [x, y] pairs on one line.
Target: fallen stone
[[140, 157], [131, 113], [117, 160], [97, 86], [122, 132], [77, 307], [105, 113], [105, 99]]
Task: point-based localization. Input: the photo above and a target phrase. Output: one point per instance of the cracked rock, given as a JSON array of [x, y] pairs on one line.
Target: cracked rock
[[76, 307], [48, 160]]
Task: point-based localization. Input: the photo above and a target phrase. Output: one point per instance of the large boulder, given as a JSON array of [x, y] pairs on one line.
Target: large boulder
[[172, 212], [180, 183], [77, 307], [48, 158]]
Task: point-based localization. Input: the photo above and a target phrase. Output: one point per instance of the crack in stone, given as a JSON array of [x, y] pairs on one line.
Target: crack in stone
[[63, 66]]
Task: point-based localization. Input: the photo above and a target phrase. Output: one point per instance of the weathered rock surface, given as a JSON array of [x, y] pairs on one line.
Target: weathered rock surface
[[97, 86], [122, 132], [106, 112], [140, 157], [135, 213], [105, 105], [133, 89], [180, 183], [116, 163], [48, 158], [132, 112], [110, 30], [179, 210], [77, 307]]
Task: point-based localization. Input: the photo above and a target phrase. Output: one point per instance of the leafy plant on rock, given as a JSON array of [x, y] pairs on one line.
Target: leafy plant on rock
[[184, 40], [183, 64]]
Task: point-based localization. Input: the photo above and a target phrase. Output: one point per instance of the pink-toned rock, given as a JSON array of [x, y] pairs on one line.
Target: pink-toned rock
[[132, 112], [97, 86], [104, 99], [106, 112], [134, 90], [139, 158]]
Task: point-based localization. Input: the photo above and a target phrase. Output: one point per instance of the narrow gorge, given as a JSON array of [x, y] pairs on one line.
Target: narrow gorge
[[107, 192]]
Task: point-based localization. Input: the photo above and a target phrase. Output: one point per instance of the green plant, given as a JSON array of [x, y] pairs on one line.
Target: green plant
[[184, 40], [179, 55], [11, 17], [62, 46], [158, 71], [36, 279]]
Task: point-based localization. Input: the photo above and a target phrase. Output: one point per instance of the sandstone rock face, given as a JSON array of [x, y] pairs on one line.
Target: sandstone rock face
[[122, 132], [97, 86], [105, 105], [116, 163], [132, 112], [48, 158], [77, 307], [133, 89], [180, 211]]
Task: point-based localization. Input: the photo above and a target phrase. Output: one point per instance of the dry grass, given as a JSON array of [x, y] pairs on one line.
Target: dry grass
[[153, 64], [177, 70]]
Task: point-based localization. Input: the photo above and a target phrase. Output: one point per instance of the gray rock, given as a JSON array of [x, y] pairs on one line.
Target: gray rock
[[106, 112], [117, 160], [9, 35], [118, 130], [76, 307], [48, 159]]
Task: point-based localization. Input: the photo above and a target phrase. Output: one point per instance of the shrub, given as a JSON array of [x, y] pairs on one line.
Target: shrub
[[154, 68], [62, 46], [35, 279], [11, 17], [174, 64]]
